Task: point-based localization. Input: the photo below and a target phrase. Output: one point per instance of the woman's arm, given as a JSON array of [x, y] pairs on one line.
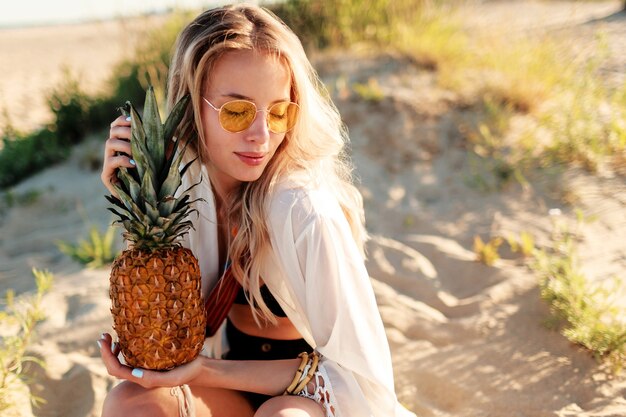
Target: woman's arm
[[263, 377], [333, 298]]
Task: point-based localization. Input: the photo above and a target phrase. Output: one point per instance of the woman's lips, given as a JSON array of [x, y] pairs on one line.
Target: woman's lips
[[251, 158]]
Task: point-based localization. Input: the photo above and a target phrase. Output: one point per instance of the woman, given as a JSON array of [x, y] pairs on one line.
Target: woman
[[281, 208]]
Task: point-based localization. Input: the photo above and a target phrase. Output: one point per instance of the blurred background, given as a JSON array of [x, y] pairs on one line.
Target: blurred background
[[41, 12], [489, 143]]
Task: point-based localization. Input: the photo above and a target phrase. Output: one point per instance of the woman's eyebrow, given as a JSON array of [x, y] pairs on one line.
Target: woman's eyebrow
[[237, 96], [242, 97]]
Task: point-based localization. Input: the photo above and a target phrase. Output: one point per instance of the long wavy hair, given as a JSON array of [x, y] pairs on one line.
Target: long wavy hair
[[316, 145]]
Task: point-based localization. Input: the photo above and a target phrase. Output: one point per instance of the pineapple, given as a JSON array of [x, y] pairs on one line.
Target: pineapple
[[157, 306]]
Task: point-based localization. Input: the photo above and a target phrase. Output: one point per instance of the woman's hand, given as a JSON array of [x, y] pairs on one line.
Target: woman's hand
[[117, 152], [184, 374]]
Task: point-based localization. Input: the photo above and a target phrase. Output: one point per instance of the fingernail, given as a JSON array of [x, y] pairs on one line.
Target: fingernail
[[113, 346], [102, 336], [99, 344], [137, 373], [132, 162], [128, 118]]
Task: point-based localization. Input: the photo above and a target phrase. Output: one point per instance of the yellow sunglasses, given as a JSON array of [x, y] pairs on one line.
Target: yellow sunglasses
[[238, 115]]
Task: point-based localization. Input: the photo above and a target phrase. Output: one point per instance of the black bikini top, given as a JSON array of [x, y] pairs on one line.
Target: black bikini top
[[268, 298]]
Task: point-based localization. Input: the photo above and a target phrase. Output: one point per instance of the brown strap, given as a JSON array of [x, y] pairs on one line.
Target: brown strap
[[220, 300]]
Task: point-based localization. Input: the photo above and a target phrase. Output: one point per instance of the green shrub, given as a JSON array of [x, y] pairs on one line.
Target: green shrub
[[342, 23], [76, 113], [149, 63], [24, 155], [21, 316], [27, 198], [588, 125], [586, 311], [94, 252], [369, 91], [69, 105]]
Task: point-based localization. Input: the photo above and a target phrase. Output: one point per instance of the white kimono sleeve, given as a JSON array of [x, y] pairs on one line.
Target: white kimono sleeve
[[327, 294]]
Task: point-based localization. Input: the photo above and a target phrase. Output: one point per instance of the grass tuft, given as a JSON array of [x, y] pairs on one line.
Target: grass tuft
[[524, 245], [17, 322], [369, 91], [434, 40], [94, 252], [587, 312], [487, 252]]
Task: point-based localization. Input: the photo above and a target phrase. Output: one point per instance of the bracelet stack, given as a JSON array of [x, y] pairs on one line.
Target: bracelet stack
[[304, 373]]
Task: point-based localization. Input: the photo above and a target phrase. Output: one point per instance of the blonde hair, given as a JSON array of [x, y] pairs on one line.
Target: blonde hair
[[316, 145]]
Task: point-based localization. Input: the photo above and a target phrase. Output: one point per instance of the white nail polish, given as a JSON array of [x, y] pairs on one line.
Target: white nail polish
[[128, 118], [99, 344], [113, 346], [137, 373], [132, 162]]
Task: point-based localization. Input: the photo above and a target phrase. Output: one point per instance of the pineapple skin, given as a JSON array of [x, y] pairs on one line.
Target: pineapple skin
[[157, 307]]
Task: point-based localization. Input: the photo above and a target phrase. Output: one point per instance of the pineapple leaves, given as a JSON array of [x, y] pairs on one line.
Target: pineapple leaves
[[173, 180], [129, 205], [147, 191], [115, 201], [152, 213], [130, 183], [118, 214], [186, 167], [145, 200], [166, 206], [153, 128], [175, 117], [138, 144]]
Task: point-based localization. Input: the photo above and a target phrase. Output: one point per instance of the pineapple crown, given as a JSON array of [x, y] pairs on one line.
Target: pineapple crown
[[146, 205]]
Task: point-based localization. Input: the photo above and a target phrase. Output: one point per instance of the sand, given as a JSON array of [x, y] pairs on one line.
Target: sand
[[467, 340], [36, 60]]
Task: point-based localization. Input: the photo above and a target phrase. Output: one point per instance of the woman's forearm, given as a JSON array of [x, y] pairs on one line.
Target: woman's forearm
[[262, 377]]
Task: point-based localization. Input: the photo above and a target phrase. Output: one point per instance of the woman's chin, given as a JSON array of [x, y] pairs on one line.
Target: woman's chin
[[250, 176]]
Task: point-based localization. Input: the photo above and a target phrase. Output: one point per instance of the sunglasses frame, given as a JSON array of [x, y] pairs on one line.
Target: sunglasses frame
[[219, 111]]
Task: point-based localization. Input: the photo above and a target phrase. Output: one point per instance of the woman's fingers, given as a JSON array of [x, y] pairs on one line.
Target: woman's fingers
[[109, 354], [148, 379], [120, 132], [120, 129], [111, 362], [117, 152], [115, 145], [109, 168], [121, 121]]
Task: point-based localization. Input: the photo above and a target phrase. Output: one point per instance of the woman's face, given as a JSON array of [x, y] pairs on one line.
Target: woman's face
[[242, 156]]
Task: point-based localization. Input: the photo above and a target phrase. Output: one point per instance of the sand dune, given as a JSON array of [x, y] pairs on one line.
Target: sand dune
[[467, 339]]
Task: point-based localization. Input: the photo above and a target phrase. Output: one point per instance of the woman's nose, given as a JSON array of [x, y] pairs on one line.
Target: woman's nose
[[259, 129]]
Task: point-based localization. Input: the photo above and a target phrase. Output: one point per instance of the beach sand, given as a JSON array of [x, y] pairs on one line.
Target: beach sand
[[36, 60], [467, 340]]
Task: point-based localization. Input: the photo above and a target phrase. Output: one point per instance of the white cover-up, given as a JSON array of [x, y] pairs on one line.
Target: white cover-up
[[318, 276]]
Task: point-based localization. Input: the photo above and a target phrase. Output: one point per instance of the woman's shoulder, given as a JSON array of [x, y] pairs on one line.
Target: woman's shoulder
[[298, 197]]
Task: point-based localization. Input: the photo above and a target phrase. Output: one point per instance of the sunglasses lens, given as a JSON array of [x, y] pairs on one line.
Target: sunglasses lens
[[282, 116], [238, 115]]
